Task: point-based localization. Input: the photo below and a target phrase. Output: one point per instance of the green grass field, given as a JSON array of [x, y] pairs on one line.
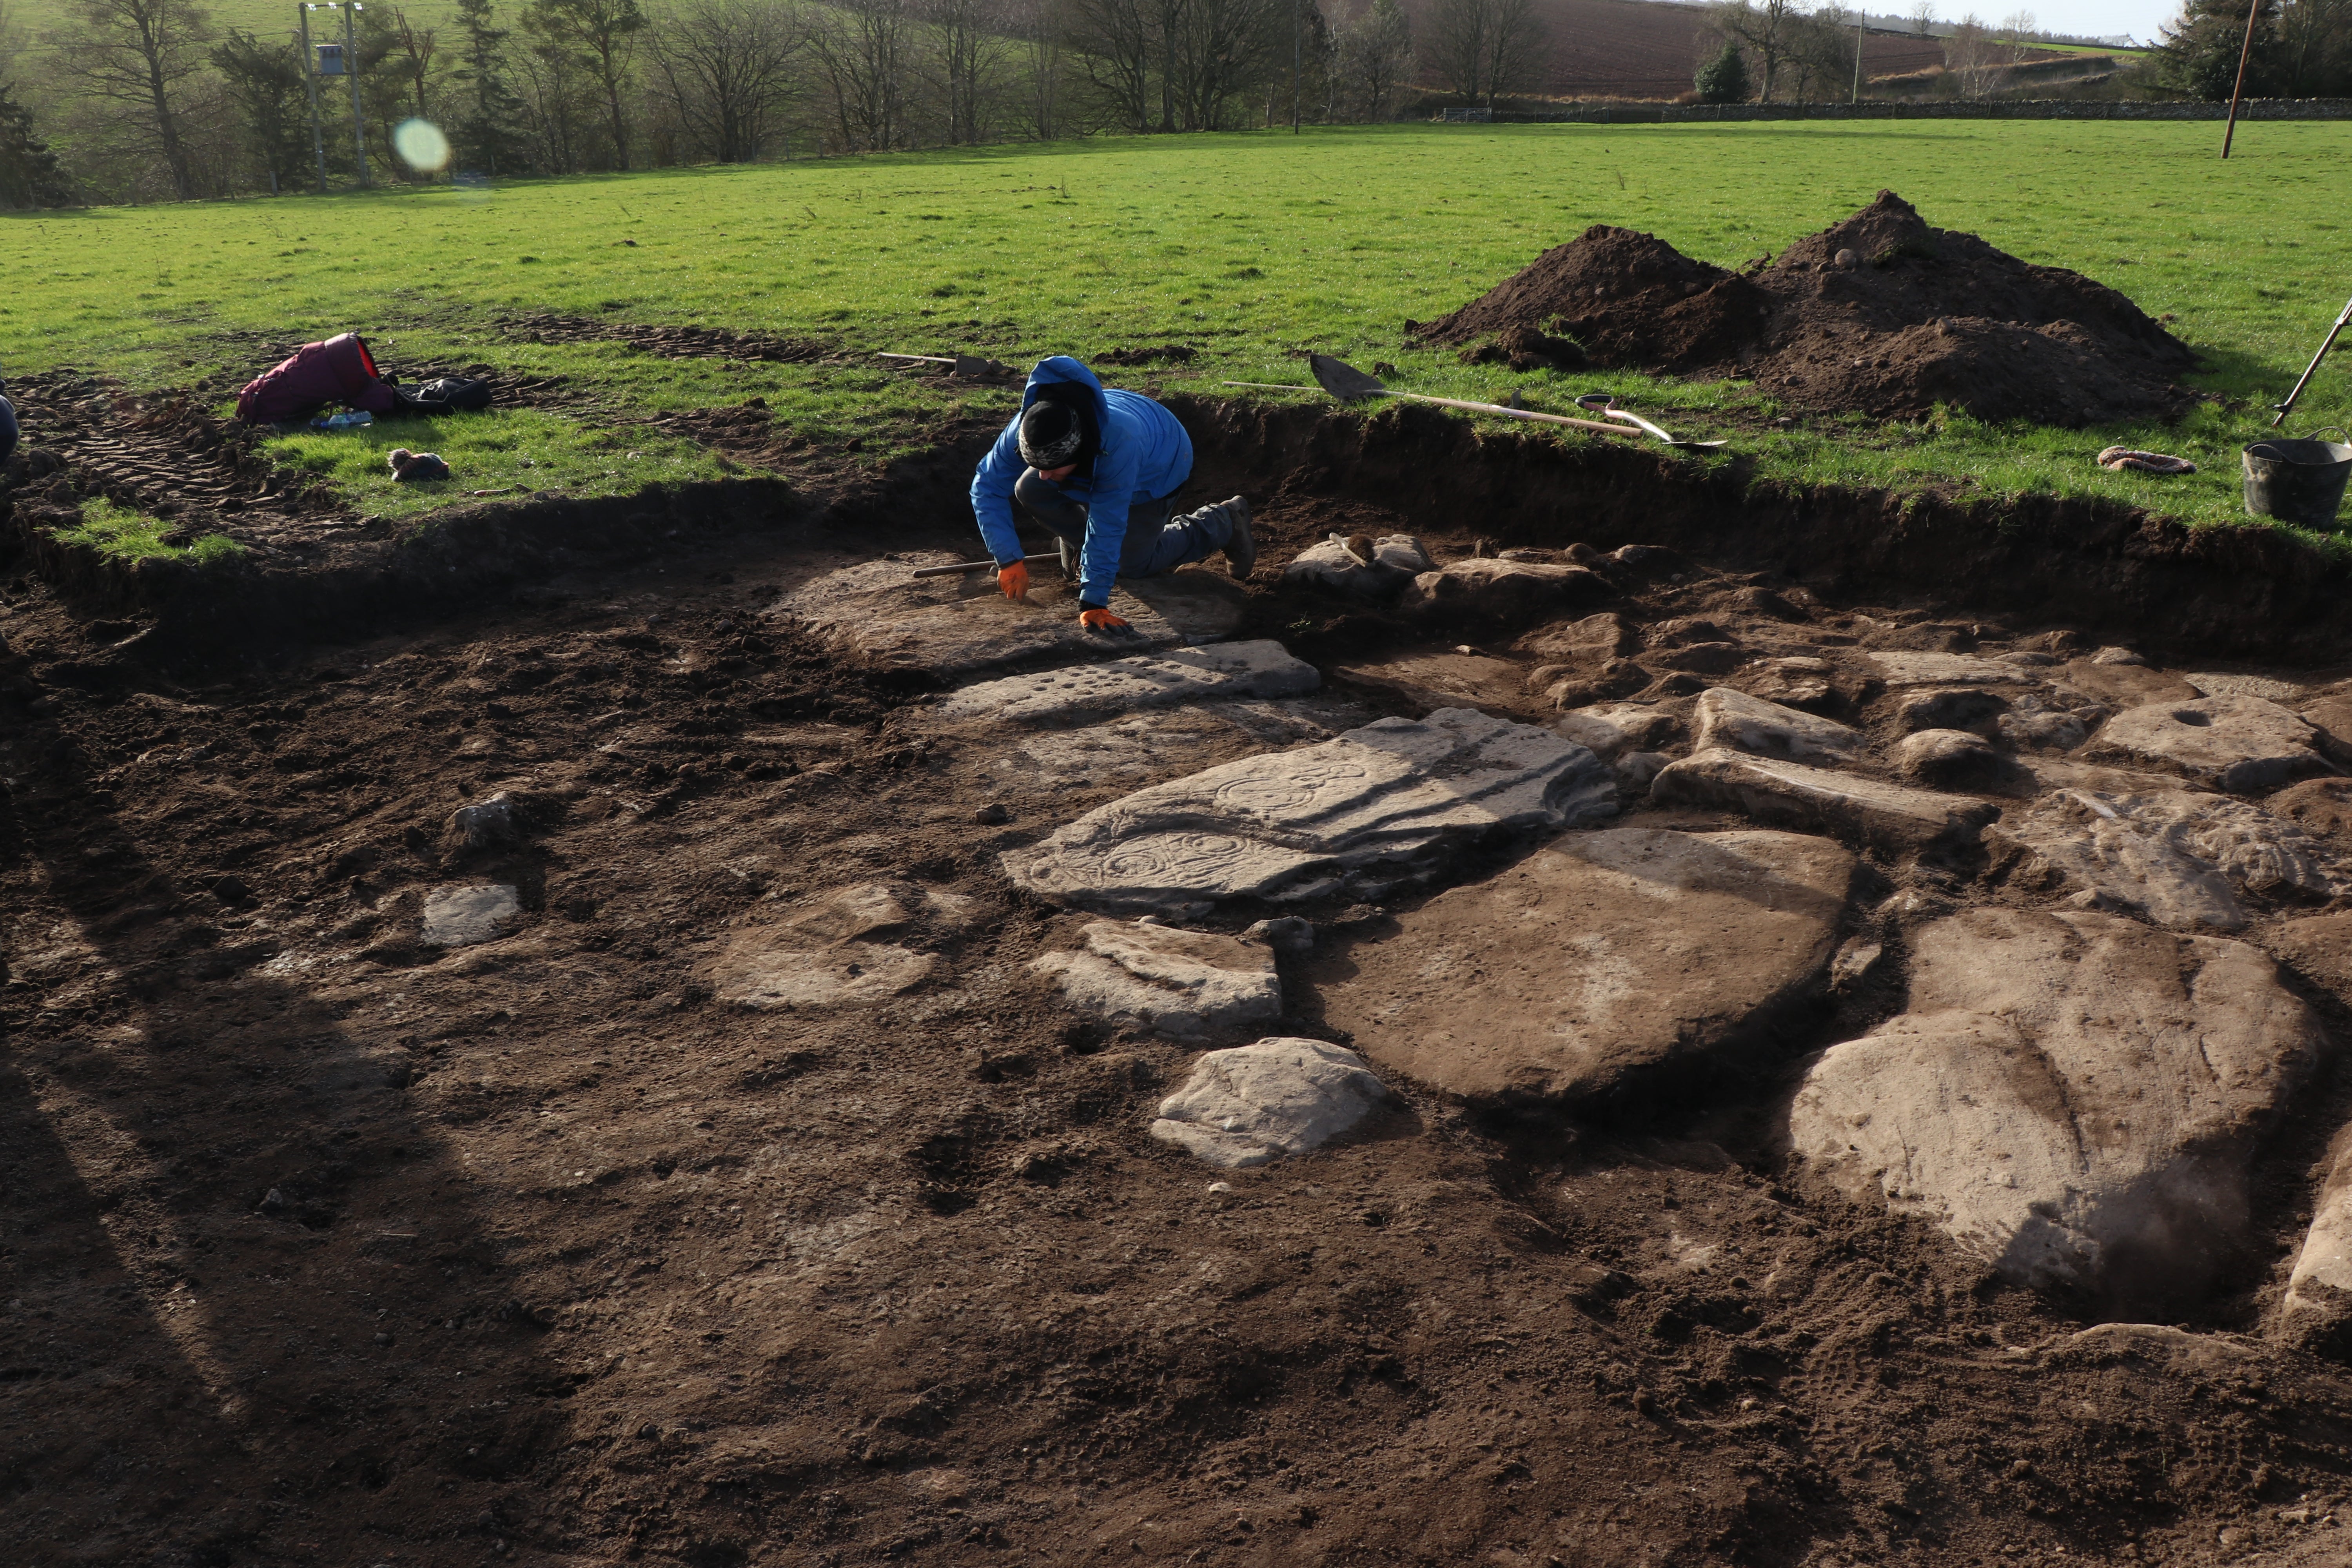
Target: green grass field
[[1252, 248]]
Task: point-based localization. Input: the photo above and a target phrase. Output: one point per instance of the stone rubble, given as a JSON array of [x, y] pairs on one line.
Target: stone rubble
[[467, 915], [1379, 808], [1257, 1103], [1183, 982], [2074, 1097]]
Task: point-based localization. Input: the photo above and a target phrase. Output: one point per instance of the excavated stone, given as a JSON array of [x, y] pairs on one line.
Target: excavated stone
[[1601, 961], [2234, 683], [1164, 742], [1181, 983], [1736, 720], [2316, 1311], [2044, 728], [2074, 1097], [2243, 745], [2081, 840], [1433, 680], [1392, 560], [2323, 807], [1900, 671], [1815, 800], [1959, 709], [463, 916], [1151, 681], [2333, 715], [1593, 640], [2125, 685], [1383, 806], [1506, 592], [1797, 681], [957, 626], [1610, 727], [2318, 948], [1948, 759], [501, 821], [820, 955], [1255, 1104]]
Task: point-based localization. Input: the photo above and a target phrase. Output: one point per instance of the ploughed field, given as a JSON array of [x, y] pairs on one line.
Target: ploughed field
[[1441, 1054]]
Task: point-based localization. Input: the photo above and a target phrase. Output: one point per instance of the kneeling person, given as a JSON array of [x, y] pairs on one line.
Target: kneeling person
[[1096, 467]]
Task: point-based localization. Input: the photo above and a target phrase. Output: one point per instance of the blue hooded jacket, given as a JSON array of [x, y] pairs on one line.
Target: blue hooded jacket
[[1145, 453]]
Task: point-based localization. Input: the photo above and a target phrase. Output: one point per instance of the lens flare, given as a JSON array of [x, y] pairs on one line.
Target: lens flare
[[422, 146]]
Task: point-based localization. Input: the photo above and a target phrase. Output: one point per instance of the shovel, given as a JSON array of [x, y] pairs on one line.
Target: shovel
[[1348, 384]]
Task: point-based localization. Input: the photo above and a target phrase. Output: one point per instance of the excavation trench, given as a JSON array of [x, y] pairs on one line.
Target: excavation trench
[[562, 1243]]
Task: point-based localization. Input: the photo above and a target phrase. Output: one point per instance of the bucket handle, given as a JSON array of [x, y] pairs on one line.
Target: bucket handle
[[2338, 428]]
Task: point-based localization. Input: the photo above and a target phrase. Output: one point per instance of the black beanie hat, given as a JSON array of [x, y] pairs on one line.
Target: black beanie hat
[[1056, 432]]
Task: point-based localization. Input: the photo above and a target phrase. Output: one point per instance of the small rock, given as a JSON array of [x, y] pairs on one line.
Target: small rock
[[1284, 933], [1183, 982], [1394, 561], [1591, 640], [2027, 659], [1948, 759], [1952, 709], [1846, 260], [1636, 770], [2045, 730], [1900, 671], [1608, 729], [992, 814], [501, 821], [1854, 962], [2114, 656], [1732, 719], [1257, 1103], [465, 916]]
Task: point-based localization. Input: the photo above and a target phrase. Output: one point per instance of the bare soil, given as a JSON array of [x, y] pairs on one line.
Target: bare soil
[[1880, 314], [322, 1246]]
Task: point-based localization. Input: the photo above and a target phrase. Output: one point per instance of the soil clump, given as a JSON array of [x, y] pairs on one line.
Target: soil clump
[[1880, 314]]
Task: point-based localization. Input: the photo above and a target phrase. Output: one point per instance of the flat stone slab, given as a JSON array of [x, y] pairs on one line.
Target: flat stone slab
[[961, 626], [1255, 1104], [1900, 671], [823, 955], [1181, 983], [2125, 685], [1361, 814], [464, 916], [1374, 808], [1815, 800], [1150, 680], [1597, 961], [1610, 727], [1369, 569], [1511, 593], [2316, 1311], [2074, 1097], [1740, 722], [2243, 745]]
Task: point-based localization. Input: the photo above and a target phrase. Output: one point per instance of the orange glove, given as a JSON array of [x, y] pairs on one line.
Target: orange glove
[[1095, 620], [1014, 579]]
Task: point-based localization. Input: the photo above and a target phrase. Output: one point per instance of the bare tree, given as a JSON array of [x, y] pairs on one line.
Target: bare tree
[[965, 59], [141, 57], [1764, 28], [2314, 45], [1484, 47], [1374, 60], [1117, 45], [1969, 54], [557, 100], [412, 53], [729, 70], [2018, 32], [1923, 18], [1040, 25], [1819, 63], [603, 35], [863, 53], [1222, 47]]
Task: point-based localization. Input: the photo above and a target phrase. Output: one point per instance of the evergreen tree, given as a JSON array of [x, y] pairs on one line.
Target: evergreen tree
[[2199, 52], [488, 133], [1724, 78], [30, 175]]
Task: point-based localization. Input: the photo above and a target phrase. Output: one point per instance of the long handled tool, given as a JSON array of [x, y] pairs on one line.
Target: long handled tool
[[2288, 406], [963, 566], [1348, 384]]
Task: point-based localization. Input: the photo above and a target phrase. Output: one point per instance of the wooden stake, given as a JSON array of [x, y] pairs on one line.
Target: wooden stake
[[2237, 93]]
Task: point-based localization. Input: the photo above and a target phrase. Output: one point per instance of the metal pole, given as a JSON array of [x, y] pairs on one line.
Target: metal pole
[[2238, 92], [311, 80], [351, 69]]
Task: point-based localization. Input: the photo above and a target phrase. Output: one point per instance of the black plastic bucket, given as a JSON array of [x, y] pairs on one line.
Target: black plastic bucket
[[2297, 481]]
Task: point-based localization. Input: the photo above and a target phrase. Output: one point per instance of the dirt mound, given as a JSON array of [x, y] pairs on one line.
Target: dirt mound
[[666, 342], [1881, 313]]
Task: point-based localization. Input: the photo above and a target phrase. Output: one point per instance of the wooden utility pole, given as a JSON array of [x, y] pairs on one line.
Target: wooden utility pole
[[2237, 93]]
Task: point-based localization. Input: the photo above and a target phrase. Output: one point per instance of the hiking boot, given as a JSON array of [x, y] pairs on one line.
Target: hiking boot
[[1241, 545]]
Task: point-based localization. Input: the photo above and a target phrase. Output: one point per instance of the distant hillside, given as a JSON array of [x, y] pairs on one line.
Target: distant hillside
[[1648, 49]]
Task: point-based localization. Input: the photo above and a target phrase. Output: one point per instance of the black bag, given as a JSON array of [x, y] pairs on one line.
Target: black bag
[[445, 394]]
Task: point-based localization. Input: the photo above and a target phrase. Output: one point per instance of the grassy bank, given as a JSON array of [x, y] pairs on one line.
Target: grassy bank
[[1248, 248]]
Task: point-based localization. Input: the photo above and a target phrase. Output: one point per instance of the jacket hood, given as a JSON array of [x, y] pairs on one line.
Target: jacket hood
[[1062, 368]]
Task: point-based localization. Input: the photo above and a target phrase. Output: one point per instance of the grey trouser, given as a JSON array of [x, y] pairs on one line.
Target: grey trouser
[[1155, 542]]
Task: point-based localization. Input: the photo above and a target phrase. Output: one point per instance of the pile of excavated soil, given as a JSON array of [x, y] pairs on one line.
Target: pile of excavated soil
[[1880, 314]]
